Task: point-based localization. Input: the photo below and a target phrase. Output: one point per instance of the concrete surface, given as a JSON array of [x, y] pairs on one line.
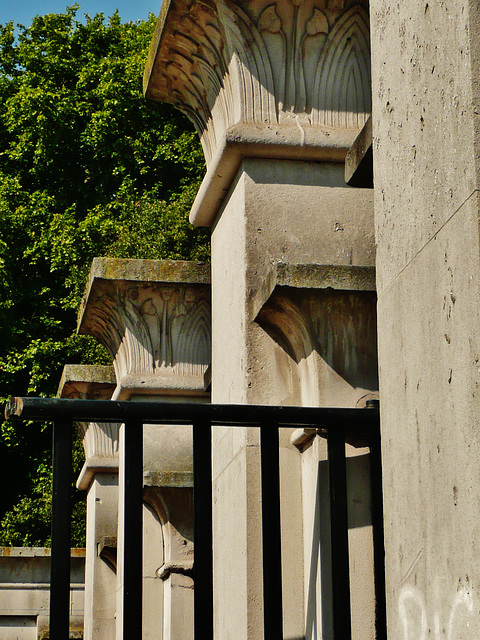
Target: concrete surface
[[425, 125]]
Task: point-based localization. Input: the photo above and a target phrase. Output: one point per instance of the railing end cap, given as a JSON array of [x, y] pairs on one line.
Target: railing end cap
[[14, 407]]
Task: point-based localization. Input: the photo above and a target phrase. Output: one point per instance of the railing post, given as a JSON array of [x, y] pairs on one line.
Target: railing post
[[61, 525], [133, 530], [378, 536], [203, 534], [271, 535], [342, 625]]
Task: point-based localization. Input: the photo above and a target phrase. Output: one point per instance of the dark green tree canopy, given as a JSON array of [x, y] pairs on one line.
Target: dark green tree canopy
[[88, 167]]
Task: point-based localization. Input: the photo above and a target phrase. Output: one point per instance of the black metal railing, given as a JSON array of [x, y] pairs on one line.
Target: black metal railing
[[337, 424]]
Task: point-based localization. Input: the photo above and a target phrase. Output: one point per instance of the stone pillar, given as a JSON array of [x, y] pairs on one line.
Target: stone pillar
[[426, 71], [283, 337], [278, 93], [99, 477], [154, 318]]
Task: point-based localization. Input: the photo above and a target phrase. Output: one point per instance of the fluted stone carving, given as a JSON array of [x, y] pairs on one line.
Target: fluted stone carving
[[155, 324], [304, 63]]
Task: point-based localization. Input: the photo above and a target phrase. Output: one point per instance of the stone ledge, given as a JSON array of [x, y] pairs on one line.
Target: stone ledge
[[35, 586], [168, 479], [87, 381], [279, 142], [94, 465], [157, 384], [36, 552], [145, 271], [314, 276], [132, 270]]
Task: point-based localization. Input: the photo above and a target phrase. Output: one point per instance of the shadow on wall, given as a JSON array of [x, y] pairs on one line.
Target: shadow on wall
[[319, 589], [339, 325]]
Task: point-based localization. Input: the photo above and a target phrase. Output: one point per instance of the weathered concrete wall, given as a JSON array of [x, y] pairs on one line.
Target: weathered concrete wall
[[25, 592], [425, 119]]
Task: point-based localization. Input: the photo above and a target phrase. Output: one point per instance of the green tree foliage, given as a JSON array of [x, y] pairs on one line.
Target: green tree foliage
[[88, 167]]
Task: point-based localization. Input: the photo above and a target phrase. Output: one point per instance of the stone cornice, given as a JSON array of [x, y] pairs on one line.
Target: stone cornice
[[302, 64], [314, 276]]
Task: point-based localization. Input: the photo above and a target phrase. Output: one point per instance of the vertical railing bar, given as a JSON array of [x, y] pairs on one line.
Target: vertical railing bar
[[339, 532], [61, 526], [271, 532], [133, 530], [378, 536], [203, 531]]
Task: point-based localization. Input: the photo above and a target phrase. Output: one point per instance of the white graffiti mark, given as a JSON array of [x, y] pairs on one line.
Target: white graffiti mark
[[463, 598], [412, 631], [414, 618]]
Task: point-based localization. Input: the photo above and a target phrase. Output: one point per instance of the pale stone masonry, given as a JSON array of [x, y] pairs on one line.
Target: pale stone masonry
[[25, 593], [426, 72], [153, 316], [271, 87], [99, 477], [278, 93]]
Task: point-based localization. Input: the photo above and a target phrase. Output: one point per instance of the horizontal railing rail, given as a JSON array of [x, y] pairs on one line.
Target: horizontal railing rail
[[336, 423]]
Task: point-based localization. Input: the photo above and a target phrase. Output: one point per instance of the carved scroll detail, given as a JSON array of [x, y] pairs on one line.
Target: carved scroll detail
[[99, 439]]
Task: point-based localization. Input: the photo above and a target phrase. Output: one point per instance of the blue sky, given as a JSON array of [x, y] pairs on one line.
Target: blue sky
[[22, 11]]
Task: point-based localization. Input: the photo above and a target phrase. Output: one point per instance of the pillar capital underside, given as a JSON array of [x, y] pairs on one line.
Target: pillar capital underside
[[100, 440], [298, 69], [153, 317]]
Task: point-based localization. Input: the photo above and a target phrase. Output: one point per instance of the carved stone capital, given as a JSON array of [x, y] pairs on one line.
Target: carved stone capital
[[100, 440], [295, 64], [153, 316]]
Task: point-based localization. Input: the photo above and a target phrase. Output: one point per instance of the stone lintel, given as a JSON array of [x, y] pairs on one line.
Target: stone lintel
[[153, 316]]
